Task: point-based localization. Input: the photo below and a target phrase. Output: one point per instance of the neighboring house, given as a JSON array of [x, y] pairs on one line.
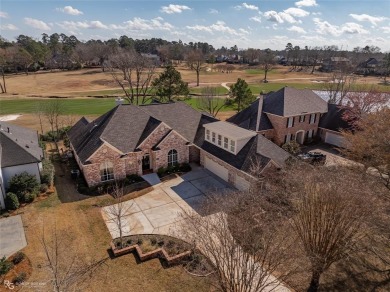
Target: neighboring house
[[285, 115], [133, 139], [335, 64], [370, 66], [19, 152], [331, 124]]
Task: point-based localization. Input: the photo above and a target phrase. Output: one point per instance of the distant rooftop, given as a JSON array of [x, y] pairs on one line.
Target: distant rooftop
[[229, 130]]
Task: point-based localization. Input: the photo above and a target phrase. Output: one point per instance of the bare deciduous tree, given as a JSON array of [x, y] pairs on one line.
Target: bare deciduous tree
[[337, 88], [66, 274], [247, 261], [52, 111], [210, 102], [137, 73], [369, 144], [195, 61], [329, 223], [116, 213]]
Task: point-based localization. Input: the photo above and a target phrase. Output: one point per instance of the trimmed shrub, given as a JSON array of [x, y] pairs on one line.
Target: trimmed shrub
[[29, 197], [11, 201], [43, 188], [19, 256], [160, 171], [292, 147], [185, 167], [47, 174], [5, 266], [23, 183], [20, 278]]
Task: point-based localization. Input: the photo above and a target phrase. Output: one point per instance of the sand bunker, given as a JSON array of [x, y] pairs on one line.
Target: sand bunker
[[9, 117]]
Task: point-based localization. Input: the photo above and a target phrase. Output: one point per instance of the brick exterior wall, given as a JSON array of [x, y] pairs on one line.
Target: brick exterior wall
[[194, 155], [280, 127], [172, 141], [132, 162]]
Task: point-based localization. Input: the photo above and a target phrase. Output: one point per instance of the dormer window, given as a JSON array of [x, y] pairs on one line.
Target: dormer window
[[208, 135], [301, 119], [232, 146], [219, 140], [225, 143], [213, 137]]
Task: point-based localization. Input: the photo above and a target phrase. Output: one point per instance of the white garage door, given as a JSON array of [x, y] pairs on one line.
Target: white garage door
[[334, 139], [216, 168], [241, 183]]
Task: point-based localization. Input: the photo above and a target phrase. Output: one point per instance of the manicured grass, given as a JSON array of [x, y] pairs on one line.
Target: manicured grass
[[267, 87], [193, 102], [198, 90], [91, 106], [258, 72]]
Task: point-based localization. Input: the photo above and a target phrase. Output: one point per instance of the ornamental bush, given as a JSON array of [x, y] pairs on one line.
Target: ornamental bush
[[11, 201], [23, 183]]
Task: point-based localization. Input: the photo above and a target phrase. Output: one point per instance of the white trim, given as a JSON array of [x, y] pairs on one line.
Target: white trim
[[303, 137], [328, 130], [301, 114]]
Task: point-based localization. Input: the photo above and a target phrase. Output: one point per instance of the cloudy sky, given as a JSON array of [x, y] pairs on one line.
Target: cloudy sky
[[256, 24]]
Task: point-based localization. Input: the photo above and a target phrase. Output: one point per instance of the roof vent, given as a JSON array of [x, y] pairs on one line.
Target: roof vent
[[8, 130], [119, 101], [27, 146]]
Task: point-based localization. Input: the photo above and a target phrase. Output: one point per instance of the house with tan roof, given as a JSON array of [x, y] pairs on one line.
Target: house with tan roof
[[132, 139]]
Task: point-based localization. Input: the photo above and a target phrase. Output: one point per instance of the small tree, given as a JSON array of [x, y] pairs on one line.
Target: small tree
[[267, 62], [369, 144], [195, 61], [23, 183], [52, 111], [66, 274], [328, 222], [241, 94], [292, 147], [116, 213], [210, 102], [170, 85]]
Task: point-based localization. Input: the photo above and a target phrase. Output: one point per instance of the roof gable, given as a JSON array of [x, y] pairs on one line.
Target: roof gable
[[289, 101]]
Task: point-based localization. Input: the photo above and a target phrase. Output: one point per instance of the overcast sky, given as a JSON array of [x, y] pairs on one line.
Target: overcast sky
[[256, 24]]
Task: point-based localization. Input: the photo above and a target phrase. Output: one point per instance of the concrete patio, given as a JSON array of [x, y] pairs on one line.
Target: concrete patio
[[168, 202]]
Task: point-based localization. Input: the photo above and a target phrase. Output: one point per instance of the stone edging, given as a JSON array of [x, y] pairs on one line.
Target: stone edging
[[159, 252]]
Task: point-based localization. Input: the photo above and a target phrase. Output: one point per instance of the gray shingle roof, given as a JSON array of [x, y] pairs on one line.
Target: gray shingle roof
[[289, 101], [126, 126], [18, 147], [248, 118], [333, 119]]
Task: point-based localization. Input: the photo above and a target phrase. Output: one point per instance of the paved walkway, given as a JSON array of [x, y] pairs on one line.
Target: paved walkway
[[152, 178], [12, 237]]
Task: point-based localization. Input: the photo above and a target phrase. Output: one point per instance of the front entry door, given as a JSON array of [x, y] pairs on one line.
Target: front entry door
[[146, 162]]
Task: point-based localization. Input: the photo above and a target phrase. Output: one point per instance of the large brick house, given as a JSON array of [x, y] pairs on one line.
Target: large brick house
[[133, 139], [285, 115]]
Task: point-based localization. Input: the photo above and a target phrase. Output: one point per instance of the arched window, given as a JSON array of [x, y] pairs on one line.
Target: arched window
[[106, 171], [172, 157]]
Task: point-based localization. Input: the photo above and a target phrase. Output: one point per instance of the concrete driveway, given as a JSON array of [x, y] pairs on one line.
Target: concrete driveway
[[12, 237], [159, 210]]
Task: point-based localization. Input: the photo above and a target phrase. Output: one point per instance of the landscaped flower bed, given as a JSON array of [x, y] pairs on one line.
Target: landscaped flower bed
[[172, 250]]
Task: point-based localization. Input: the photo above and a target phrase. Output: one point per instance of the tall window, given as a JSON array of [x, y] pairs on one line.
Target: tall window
[[312, 118], [225, 143], [290, 122], [106, 171], [232, 146], [219, 140], [301, 119], [172, 157], [213, 137], [208, 135]]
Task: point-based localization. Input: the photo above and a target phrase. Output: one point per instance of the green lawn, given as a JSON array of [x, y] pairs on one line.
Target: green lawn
[[92, 106], [198, 90], [258, 71], [267, 87]]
